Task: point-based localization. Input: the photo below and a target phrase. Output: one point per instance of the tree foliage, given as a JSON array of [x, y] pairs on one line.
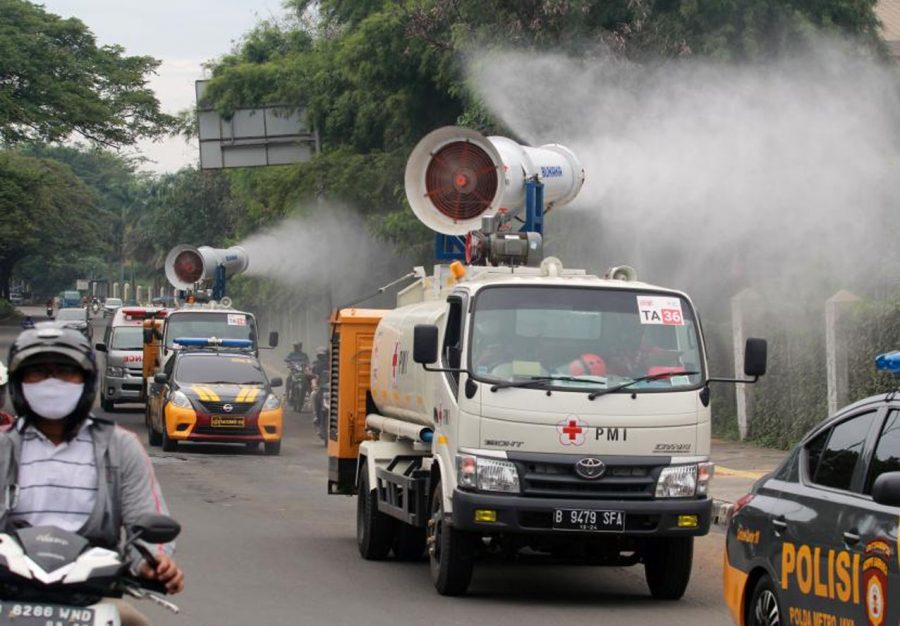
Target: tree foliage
[[56, 81], [46, 213]]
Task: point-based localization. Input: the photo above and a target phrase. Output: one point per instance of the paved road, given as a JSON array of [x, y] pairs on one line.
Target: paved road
[[264, 544]]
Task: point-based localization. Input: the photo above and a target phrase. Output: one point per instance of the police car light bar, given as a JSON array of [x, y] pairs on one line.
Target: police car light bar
[[143, 313], [213, 341], [888, 362]]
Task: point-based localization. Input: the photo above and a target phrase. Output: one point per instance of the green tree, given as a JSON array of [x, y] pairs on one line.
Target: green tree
[[56, 81], [46, 211]]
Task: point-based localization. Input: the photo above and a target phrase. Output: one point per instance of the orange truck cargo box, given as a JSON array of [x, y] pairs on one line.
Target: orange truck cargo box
[[352, 335]]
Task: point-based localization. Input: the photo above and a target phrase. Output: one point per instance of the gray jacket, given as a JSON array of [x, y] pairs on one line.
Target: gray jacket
[[126, 483]]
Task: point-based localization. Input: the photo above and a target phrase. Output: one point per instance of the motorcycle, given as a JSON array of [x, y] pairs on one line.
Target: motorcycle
[[320, 398], [50, 312], [95, 308], [50, 576], [298, 384]]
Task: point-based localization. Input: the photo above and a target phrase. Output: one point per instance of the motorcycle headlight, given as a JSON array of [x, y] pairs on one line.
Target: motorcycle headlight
[[272, 402], [487, 474], [678, 481], [115, 372], [179, 400]]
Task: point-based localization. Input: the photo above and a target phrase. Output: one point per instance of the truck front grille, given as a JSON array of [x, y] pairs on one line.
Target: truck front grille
[[557, 479]]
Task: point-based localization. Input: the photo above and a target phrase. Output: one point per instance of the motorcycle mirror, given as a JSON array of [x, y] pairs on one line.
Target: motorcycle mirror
[[100, 347], [156, 528], [276, 382]]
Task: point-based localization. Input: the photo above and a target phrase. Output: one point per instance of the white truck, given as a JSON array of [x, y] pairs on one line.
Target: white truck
[[520, 410]]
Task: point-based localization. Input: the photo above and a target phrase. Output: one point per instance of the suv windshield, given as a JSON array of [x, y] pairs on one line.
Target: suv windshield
[[128, 338], [219, 369], [582, 338], [213, 324]]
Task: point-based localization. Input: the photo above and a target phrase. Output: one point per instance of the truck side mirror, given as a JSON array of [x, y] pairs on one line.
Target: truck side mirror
[[100, 347], [755, 356], [160, 378], [886, 489], [273, 339], [276, 382], [425, 343]]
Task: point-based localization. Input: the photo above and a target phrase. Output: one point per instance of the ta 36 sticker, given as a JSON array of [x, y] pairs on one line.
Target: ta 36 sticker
[[664, 310]]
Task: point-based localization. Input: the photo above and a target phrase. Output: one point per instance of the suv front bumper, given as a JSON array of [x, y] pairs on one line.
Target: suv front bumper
[[517, 514]]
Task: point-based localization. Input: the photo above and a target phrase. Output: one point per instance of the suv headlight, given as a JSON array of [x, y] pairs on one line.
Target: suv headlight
[[179, 400], [487, 474], [115, 372], [677, 481], [272, 402]]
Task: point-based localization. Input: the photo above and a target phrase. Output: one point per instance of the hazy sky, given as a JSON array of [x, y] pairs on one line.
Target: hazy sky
[[182, 34]]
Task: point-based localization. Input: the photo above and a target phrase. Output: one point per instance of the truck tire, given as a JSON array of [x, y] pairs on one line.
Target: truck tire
[[764, 608], [409, 543], [374, 529], [667, 565], [450, 551], [153, 437]]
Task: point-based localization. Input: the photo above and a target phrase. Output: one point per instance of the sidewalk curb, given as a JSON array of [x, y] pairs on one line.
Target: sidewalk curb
[[720, 511]]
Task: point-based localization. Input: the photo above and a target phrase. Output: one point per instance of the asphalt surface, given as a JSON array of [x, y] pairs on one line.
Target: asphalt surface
[[264, 544]]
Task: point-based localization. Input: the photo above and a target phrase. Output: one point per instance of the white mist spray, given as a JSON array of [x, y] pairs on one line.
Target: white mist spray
[[784, 175]]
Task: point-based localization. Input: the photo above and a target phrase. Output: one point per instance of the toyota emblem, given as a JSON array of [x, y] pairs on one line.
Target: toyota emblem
[[227, 408], [590, 467]]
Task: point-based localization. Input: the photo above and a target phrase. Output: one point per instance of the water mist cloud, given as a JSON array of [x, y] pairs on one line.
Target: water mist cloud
[[702, 173]]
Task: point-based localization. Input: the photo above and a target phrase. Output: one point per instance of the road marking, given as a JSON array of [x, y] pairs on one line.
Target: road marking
[[727, 471]]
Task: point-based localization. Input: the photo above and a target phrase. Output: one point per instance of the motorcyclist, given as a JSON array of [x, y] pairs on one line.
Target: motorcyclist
[[6, 420], [49, 307], [62, 466], [298, 363]]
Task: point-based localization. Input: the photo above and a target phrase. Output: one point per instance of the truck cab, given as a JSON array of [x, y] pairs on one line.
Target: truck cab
[[537, 409]]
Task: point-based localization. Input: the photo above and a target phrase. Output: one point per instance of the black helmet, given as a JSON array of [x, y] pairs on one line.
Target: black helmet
[[49, 345]]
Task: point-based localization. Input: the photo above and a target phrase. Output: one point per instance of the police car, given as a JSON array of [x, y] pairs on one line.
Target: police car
[[815, 543], [214, 390]]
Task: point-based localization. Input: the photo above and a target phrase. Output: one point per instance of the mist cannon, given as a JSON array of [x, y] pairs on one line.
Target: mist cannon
[[454, 176], [187, 266]]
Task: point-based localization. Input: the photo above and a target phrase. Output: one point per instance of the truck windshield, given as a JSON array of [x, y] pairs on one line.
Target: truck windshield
[[219, 370], [582, 338], [219, 324], [128, 338]]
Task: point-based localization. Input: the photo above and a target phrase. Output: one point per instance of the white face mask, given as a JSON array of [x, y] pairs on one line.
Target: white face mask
[[52, 399]]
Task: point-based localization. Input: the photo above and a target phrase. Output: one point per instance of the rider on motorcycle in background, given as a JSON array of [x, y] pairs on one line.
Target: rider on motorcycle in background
[[297, 355], [68, 468], [298, 381]]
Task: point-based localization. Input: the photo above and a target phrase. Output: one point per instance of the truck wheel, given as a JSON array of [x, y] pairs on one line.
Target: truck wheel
[[153, 437], [450, 551], [168, 445], [374, 529], [272, 448], [409, 543], [764, 608], [667, 565]]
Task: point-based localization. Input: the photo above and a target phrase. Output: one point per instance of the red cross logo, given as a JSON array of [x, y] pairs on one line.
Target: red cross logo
[[571, 431], [395, 361]]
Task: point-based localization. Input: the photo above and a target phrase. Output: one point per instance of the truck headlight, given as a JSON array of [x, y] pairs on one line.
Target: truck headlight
[[678, 481], [272, 402], [487, 474], [179, 400], [115, 372]]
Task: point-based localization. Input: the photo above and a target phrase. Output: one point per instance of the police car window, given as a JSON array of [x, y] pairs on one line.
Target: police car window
[[840, 454], [887, 452], [788, 471], [211, 370]]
